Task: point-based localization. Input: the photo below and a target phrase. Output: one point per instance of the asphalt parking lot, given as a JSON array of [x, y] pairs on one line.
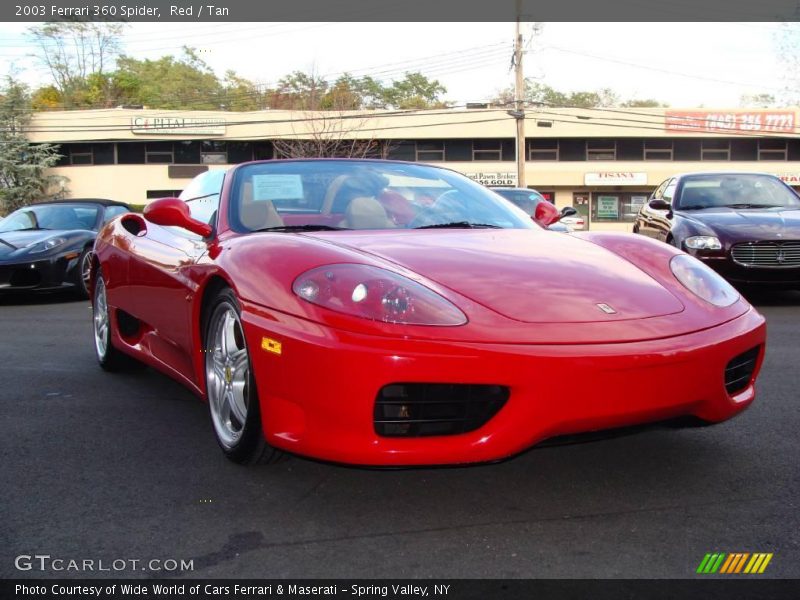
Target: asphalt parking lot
[[125, 466]]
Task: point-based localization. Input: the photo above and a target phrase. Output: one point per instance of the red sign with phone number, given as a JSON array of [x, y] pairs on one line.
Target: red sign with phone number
[[773, 121]]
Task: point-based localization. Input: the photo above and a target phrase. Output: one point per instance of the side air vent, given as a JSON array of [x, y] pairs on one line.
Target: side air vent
[[740, 370]]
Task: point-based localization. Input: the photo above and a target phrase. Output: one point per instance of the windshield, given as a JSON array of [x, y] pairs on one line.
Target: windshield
[[735, 191], [287, 195], [51, 216]]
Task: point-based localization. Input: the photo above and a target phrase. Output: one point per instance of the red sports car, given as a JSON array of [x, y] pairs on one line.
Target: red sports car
[[387, 313]]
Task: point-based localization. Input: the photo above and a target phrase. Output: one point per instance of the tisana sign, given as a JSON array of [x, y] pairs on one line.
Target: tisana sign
[[615, 178]]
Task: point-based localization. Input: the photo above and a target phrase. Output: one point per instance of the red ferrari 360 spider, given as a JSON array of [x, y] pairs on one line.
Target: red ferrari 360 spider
[[387, 313]]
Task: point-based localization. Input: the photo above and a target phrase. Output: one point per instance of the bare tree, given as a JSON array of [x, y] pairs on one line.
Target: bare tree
[[75, 51], [330, 134], [787, 43]]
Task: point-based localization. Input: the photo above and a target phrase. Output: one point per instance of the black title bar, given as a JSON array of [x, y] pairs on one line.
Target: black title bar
[[729, 588], [399, 10]]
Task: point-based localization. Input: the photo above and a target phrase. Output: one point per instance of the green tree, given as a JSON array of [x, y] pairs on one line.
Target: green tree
[[240, 94], [46, 98], [307, 91], [346, 93], [415, 90], [644, 103], [299, 91], [23, 165], [539, 93], [168, 82], [74, 52]]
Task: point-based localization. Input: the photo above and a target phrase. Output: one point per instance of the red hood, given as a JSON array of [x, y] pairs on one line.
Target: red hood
[[528, 276]]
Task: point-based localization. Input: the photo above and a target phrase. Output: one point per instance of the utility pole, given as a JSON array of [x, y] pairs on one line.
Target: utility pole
[[519, 101]]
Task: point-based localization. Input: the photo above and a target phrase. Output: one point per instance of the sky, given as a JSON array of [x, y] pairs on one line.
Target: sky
[[682, 64]]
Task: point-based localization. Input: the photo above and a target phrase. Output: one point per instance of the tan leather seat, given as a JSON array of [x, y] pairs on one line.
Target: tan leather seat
[[366, 213], [257, 214]]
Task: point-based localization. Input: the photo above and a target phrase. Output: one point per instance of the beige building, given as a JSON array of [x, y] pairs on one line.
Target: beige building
[[605, 162]]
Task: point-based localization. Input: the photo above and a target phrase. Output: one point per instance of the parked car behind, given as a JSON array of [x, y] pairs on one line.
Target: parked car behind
[[746, 226], [530, 200], [48, 246]]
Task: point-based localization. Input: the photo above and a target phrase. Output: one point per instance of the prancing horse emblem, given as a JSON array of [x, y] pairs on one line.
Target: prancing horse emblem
[[606, 309]]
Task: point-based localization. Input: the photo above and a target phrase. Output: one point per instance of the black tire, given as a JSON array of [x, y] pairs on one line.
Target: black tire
[[107, 355], [248, 446], [80, 278]]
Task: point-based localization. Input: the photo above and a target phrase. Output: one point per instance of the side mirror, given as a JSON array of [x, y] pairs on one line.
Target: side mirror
[[659, 205], [173, 212], [546, 213], [568, 211]]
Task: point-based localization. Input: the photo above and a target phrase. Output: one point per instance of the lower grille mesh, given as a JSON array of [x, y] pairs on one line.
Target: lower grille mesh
[[424, 409], [740, 370]]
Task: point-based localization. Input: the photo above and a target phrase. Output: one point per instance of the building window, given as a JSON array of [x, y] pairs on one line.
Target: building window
[[263, 151], [658, 149], [772, 150], [601, 150], [81, 154], [487, 150], [543, 150], [715, 150], [159, 153], [213, 152], [430, 151]]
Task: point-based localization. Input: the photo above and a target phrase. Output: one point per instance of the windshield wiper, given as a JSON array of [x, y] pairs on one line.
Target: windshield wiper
[[10, 245], [460, 225], [693, 207], [308, 227], [746, 205]]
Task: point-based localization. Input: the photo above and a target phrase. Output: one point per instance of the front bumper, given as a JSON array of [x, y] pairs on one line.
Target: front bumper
[[52, 273], [318, 394]]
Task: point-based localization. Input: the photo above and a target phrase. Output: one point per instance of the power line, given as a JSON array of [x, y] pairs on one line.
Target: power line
[[652, 126], [293, 134], [323, 117], [449, 62], [656, 119], [555, 117], [658, 69]]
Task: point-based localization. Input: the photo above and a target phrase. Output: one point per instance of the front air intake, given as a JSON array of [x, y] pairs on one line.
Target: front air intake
[[425, 409], [740, 370]]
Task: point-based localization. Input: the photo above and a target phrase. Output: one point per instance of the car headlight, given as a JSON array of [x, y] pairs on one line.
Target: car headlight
[[702, 280], [374, 293], [703, 242], [45, 245]]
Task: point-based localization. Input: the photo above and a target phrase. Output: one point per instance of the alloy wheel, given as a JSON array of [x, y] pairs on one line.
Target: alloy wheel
[[227, 375], [101, 330]]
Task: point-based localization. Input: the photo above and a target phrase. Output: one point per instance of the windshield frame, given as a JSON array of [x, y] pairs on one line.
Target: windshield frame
[[99, 208], [446, 178]]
